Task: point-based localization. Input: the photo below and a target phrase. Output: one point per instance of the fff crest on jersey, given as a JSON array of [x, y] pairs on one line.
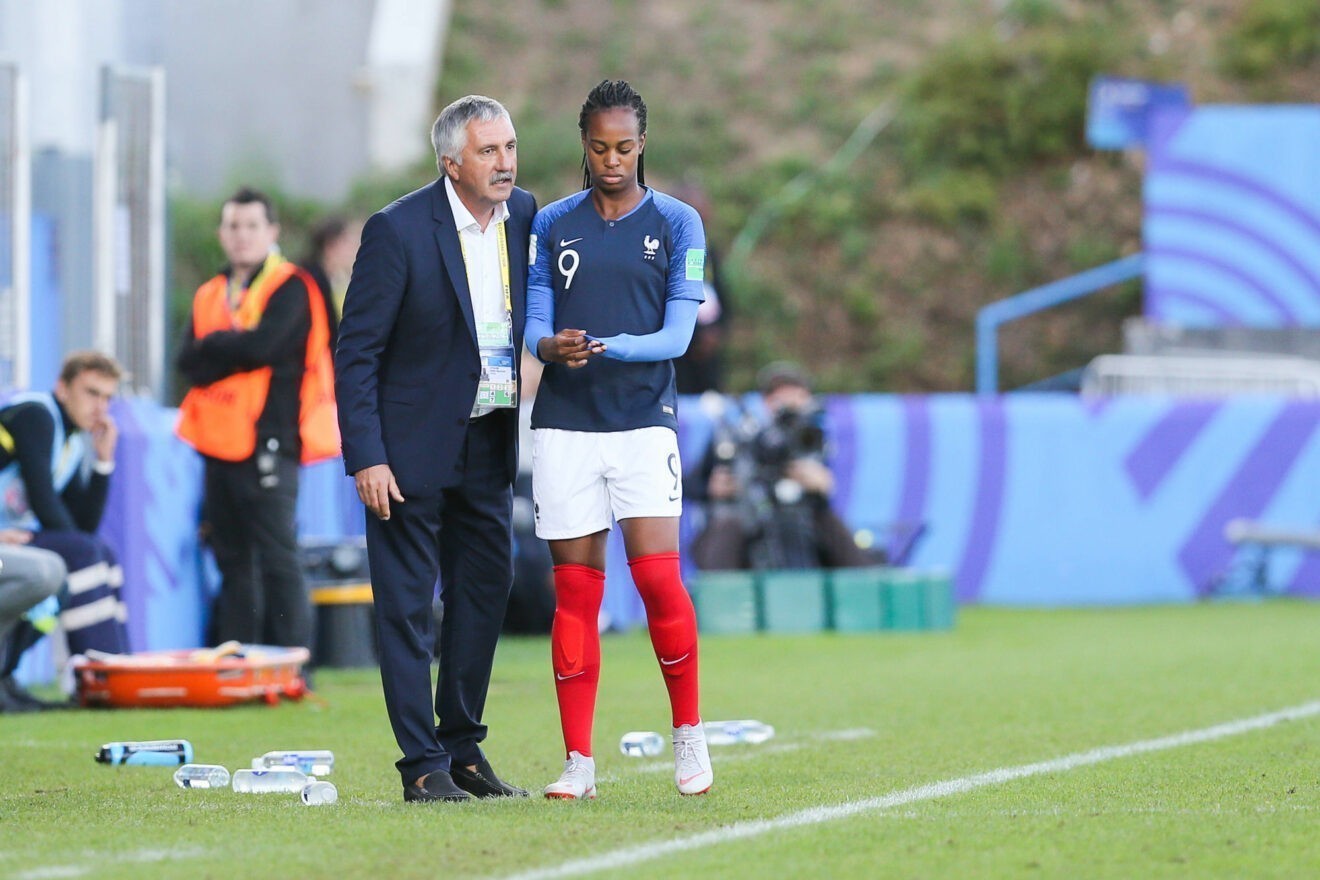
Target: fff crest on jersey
[[649, 247]]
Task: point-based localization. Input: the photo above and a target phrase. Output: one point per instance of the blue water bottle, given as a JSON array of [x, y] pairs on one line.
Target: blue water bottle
[[157, 753]]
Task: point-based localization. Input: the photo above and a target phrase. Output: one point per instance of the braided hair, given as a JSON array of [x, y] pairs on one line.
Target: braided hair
[[608, 95]]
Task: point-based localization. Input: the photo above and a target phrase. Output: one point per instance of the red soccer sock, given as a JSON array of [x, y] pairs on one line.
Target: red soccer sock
[[672, 622], [575, 651]]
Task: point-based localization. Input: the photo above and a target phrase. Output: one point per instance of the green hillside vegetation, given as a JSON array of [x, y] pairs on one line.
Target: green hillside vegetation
[[878, 171]]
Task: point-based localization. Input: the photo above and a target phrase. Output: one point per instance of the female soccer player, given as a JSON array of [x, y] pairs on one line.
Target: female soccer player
[[623, 264]]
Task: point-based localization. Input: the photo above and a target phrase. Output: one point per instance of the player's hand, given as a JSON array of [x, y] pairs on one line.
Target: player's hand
[[376, 487], [15, 536], [105, 435], [569, 347]]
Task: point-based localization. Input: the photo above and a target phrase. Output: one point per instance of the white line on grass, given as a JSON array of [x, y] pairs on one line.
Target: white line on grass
[[97, 861], [723, 757], [845, 735], [745, 753], [633, 855]]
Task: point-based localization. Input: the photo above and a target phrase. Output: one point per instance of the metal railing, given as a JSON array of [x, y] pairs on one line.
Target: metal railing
[[15, 231], [129, 224], [1211, 375], [991, 317]]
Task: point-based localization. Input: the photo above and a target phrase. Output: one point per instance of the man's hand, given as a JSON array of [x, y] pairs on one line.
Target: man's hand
[[376, 487], [15, 536], [105, 434], [568, 347], [813, 476]]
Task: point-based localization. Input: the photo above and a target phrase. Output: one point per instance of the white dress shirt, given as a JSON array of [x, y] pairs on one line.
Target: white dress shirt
[[481, 254]]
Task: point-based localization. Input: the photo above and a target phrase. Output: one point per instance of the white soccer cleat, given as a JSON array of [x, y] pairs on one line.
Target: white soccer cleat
[[692, 771], [577, 782]]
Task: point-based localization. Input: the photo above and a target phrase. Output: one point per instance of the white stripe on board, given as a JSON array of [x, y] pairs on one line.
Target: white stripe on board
[[632, 855]]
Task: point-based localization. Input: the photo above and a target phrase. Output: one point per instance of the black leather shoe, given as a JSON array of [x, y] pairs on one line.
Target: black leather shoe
[[435, 786], [11, 706], [16, 698], [483, 782]]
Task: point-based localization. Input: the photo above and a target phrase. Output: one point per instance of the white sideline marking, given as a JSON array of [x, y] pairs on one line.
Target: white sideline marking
[[633, 855], [721, 758], [749, 752], [98, 861], [845, 735]]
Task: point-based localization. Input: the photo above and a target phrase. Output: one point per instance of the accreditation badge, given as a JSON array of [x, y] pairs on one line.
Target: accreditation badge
[[499, 383], [494, 334]]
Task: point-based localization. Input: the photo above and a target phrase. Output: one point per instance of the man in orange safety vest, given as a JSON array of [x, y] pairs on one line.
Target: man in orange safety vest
[[256, 352]]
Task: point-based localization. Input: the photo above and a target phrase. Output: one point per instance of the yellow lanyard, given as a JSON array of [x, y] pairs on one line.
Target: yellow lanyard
[[236, 294], [504, 267]]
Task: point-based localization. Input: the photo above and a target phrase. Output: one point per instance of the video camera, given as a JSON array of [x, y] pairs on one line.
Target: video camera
[[777, 514], [791, 435], [758, 455]]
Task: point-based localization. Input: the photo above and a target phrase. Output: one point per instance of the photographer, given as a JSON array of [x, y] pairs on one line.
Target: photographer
[[767, 486]]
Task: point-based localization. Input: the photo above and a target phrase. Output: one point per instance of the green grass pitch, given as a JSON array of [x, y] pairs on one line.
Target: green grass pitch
[[858, 717]]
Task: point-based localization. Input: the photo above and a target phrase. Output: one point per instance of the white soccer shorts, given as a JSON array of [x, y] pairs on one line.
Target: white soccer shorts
[[582, 480]]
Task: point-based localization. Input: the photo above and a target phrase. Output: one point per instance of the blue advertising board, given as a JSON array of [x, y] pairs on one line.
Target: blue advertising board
[[1118, 110]]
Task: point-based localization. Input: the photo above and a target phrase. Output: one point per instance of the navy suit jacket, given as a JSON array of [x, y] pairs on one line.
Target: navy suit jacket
[[407, 364]]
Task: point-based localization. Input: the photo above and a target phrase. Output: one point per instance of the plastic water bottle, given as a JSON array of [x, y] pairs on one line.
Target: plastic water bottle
[[276, 779], [724, 733], [319, 794], [642, 744], [155, 752], [313, 762], [201, 776]]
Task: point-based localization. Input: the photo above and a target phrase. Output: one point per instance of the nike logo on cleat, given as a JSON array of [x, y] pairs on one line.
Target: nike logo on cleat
[[687, 779], [664, 662]]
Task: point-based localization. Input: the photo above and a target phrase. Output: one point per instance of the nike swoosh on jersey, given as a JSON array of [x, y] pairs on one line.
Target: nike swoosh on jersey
[[563, 243], [664, 662]]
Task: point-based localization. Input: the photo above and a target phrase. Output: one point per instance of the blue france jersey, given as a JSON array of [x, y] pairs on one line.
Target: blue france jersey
[[610, 277]]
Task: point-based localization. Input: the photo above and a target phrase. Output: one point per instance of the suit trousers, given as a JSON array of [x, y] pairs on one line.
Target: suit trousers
[[263, 597], [462, 535]]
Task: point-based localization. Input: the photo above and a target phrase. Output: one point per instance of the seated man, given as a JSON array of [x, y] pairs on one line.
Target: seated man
[[57, 451], [767, 486], [28, 577]]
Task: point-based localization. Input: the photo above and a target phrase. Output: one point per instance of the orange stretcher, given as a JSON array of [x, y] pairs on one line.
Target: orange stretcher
[[226, 675]]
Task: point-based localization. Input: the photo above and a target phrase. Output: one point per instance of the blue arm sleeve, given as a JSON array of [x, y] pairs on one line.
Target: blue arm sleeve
[[670, 341], [540, 295], [684, 291]]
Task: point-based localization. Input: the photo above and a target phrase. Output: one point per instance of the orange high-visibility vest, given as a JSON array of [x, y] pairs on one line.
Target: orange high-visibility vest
[[220, 419]]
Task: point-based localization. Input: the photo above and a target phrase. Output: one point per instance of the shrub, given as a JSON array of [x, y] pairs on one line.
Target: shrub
[[1271, 34], [951, 197], [996, 105]]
